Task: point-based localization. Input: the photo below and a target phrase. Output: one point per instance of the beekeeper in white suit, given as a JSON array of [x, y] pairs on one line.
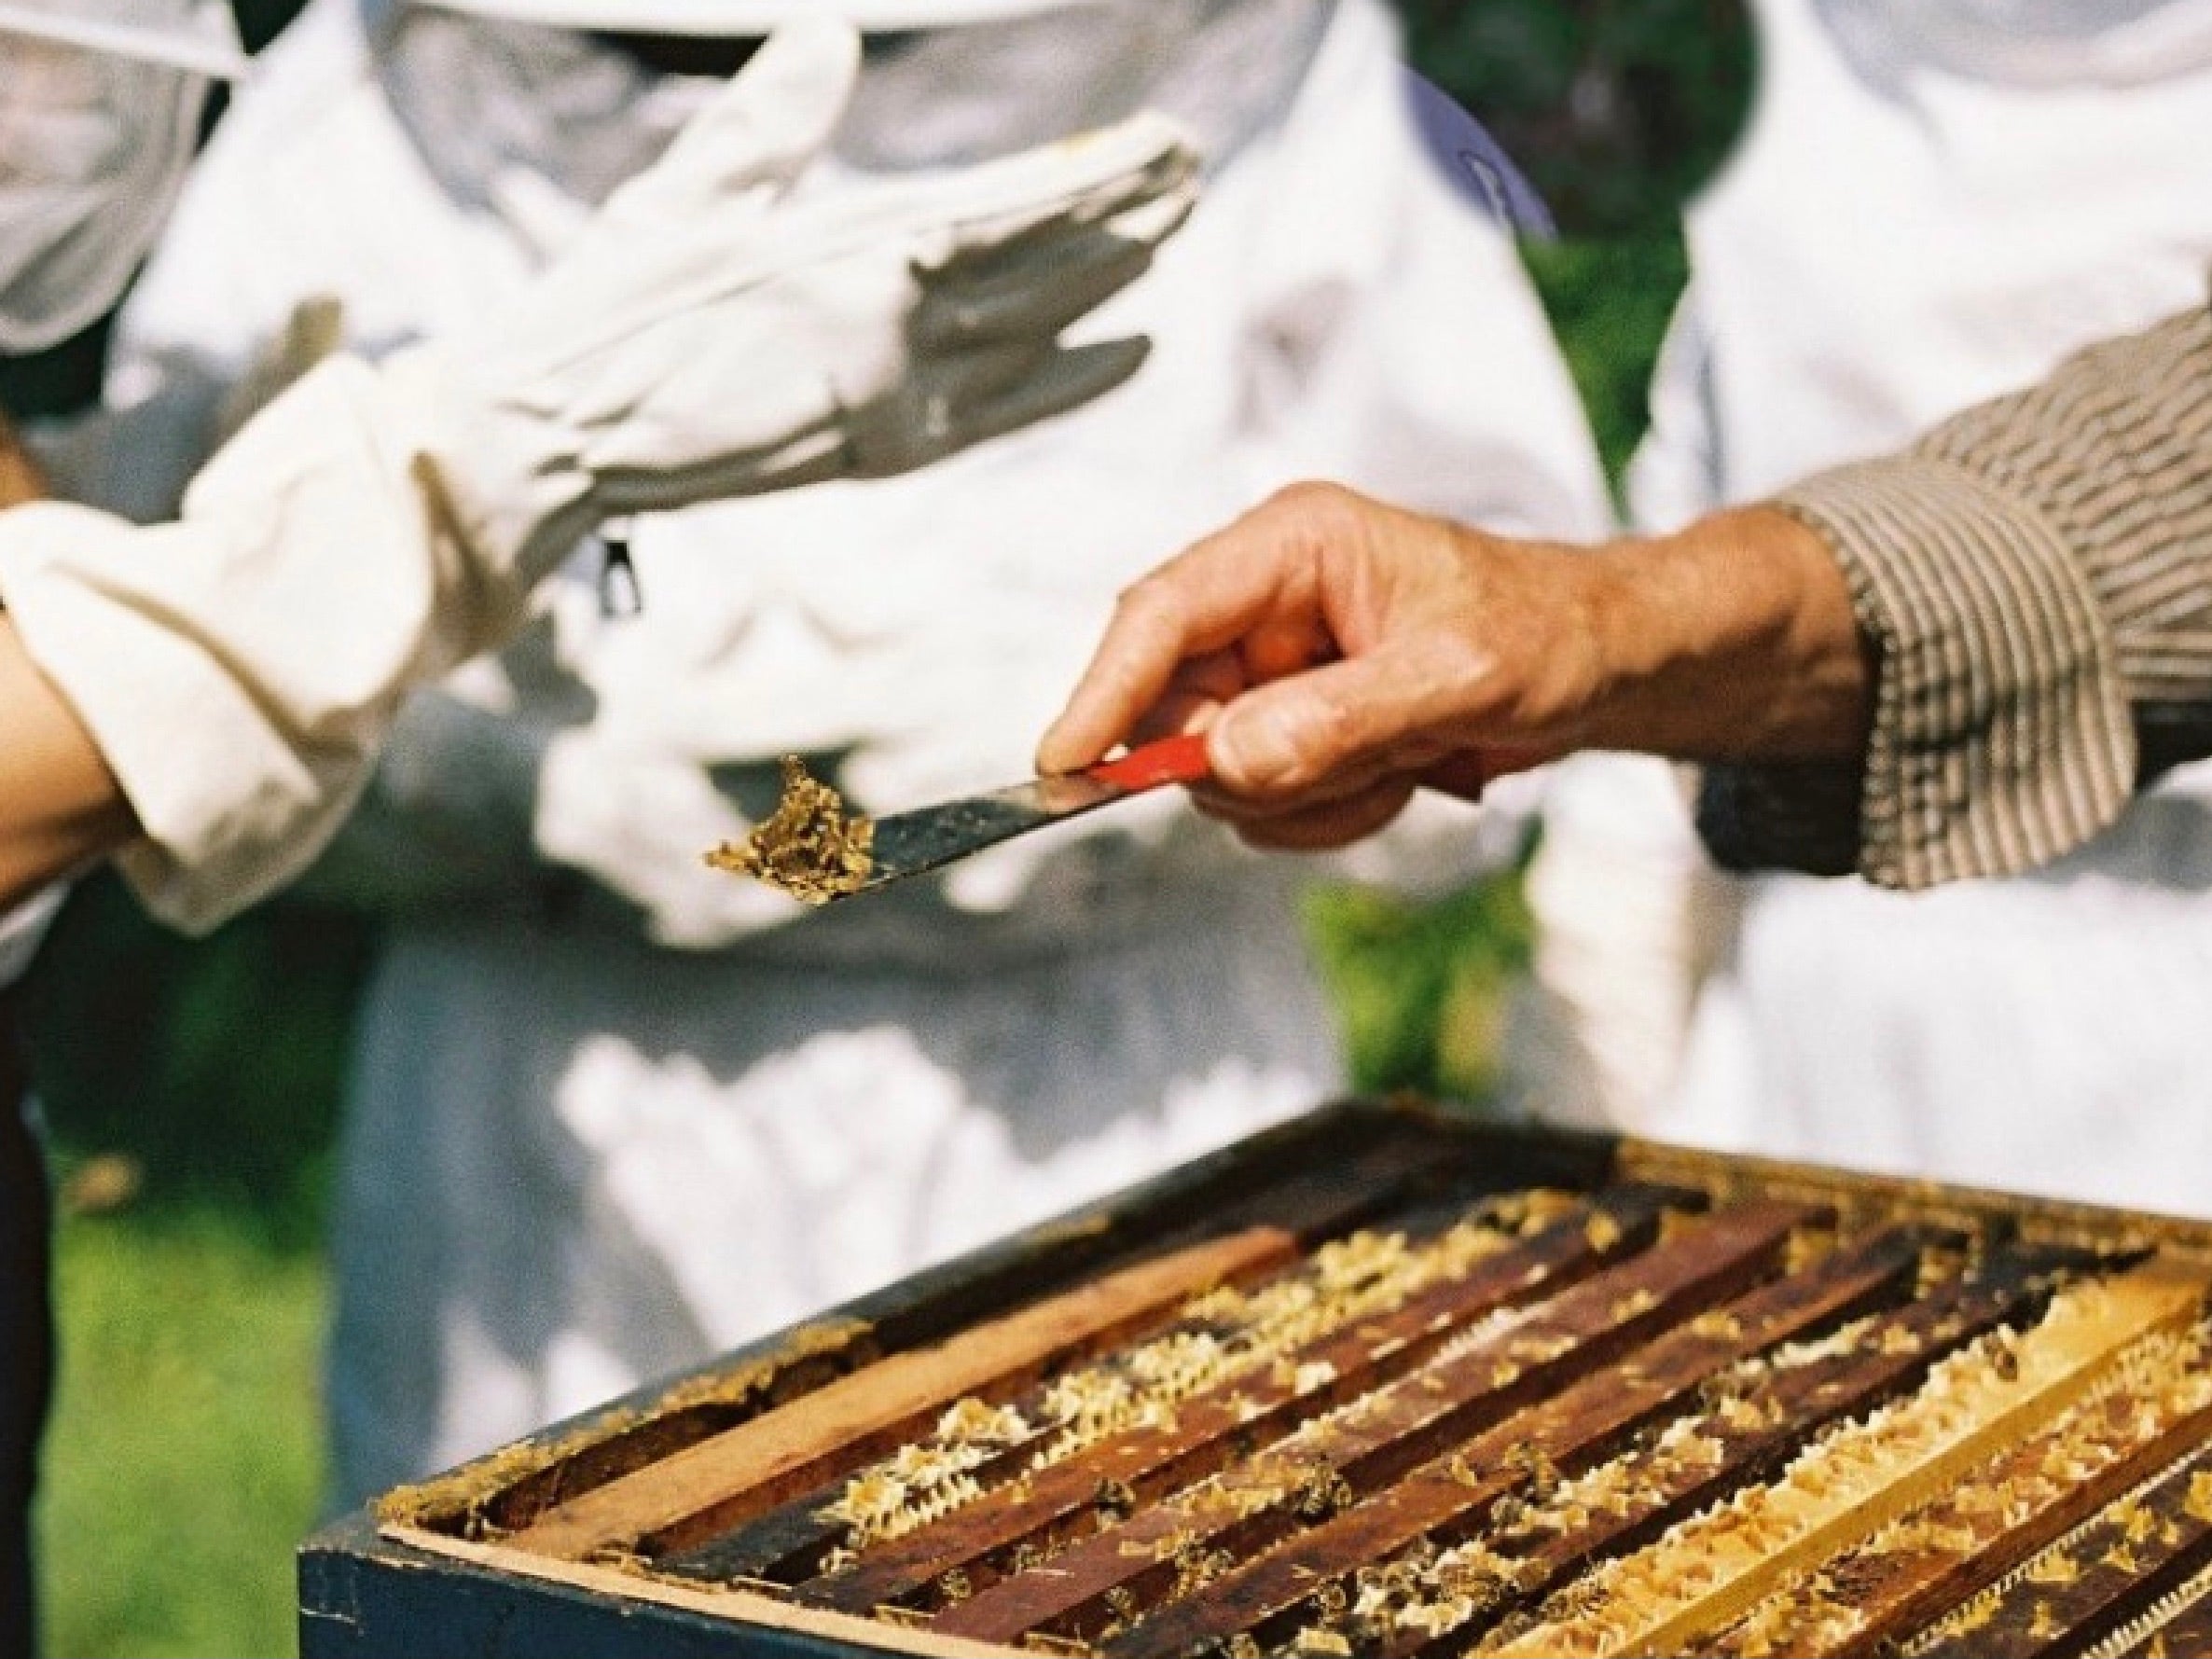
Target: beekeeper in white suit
[[611, 1110], [236, 669], [1935, 201], [205, 697]]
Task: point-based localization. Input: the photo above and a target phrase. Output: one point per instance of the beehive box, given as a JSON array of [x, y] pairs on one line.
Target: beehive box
[[1381, 1383]]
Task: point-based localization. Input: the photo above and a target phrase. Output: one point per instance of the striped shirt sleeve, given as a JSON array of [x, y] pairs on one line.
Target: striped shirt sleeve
[[2036, 575]]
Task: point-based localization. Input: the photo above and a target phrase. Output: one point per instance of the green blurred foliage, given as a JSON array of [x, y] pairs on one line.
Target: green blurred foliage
[[1616, 109], [1419, 989], [185, 1463], [55, 382], [214, 1065], [1609, 301]]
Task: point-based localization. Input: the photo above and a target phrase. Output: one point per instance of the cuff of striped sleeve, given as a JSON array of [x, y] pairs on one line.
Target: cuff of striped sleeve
[[1802, 817], [2002, 736]]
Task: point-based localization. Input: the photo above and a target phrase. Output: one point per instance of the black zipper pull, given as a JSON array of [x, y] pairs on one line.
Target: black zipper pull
[[620, 596]]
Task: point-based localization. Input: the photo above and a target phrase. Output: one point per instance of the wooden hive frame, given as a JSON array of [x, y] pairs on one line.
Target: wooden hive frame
[[1490, 1359]]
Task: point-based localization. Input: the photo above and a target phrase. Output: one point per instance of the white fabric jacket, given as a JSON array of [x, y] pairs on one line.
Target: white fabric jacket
[[376, 525], [576, 1158], [1896, 240]]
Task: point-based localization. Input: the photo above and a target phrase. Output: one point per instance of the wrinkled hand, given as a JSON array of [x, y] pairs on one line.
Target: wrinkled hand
[[722, 330], [1341, 653]]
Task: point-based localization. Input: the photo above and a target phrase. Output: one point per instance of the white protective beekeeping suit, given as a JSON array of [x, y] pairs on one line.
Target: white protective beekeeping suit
[[1936, 200], [611, 1109], [98, 120], [237, 664]]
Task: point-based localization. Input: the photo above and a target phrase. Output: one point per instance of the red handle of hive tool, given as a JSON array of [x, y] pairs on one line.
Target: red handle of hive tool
[[1171, 760]]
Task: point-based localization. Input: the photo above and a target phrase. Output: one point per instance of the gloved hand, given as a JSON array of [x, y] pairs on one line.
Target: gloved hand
[[720, 330], [717, 332], [314, 333]]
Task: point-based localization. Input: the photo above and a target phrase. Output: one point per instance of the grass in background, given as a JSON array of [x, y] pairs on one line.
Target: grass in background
[[193, 1088], [185, 1463]]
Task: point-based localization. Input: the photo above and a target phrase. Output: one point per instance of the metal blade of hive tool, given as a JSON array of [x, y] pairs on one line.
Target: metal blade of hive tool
[[930, 838]]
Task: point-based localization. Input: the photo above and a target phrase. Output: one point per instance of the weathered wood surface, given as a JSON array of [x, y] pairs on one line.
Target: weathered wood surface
[[1863, 1602], [1700, 1578], [2185, 1633], [789, 1543], [744, 1622], [1470, 1385], [632, 1584], [1330, 1172], [1245, 1413], [2096, 1580], [868, 1413], [1446, 1500], [1755, 1427], [760, 1463]]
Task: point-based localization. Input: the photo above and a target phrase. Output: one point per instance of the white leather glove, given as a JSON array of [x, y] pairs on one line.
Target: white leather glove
[[718, 332]]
